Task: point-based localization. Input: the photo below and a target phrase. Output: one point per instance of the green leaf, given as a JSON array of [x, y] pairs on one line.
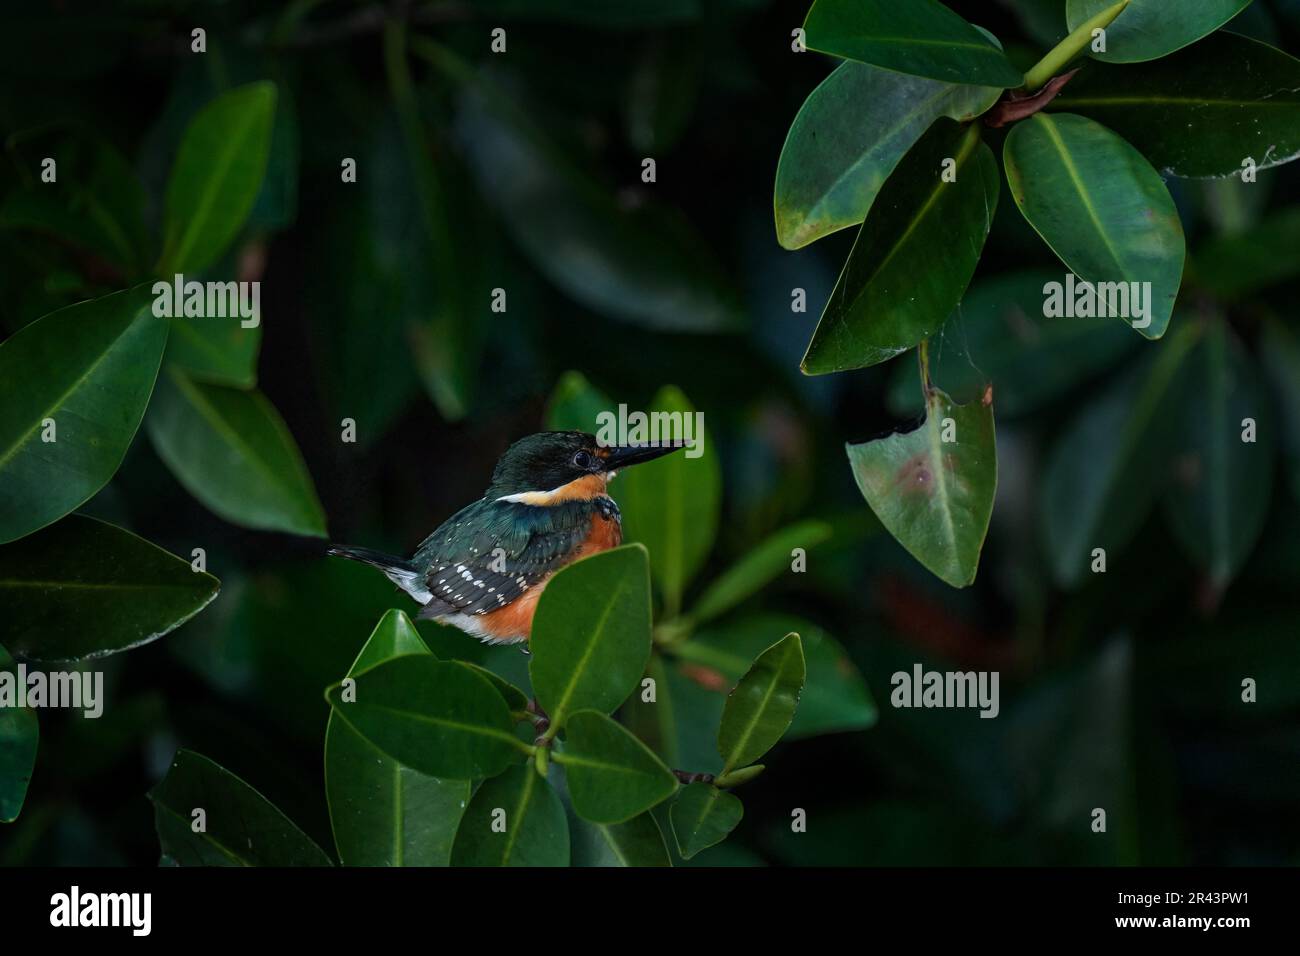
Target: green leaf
[[1235, 267], [1098, 484], [612, 776], [276, 205], [232, 451], [920, 37], [516, 700], [738, 778], [591, 634], [835, 696], [1191, 120], [515, 819], [81, 589], [914, 255], [702, 816], [216, 177], [1101, 207], [935, 496], [760, 708], [1149, 29], [999, 335], [441, 719], [215, 350], [1223, 485], [575, 404], [672, 504], [832, 168], [384, 813], [19, 737], [240, 827], [636, 842], [761, 565], [76, 385], [645, 265]]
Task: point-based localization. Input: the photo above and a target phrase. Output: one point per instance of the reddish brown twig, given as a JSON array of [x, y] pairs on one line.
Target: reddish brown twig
[[1017, 106]]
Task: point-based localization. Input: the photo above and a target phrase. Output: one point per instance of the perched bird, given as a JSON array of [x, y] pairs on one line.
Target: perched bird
[[548, 505]]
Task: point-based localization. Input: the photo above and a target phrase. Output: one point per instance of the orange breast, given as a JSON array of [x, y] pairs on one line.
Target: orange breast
[[605, 533], [516, 618]]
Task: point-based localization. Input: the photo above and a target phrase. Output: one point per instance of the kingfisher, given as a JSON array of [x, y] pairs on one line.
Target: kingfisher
[[548, 505]]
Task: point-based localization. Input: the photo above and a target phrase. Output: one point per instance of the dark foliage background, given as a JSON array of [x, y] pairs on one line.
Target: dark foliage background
[[1123, 694]]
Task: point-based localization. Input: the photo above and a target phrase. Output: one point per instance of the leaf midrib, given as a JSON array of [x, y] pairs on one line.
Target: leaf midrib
[[753, 721], [221, 167], [218, 423], [614, 594], [942, 489], [968, 150], [77, 383], [1049, 125]]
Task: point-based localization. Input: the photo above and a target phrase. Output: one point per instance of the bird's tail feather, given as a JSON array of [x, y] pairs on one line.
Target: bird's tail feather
[[400, 571], [377, 559]]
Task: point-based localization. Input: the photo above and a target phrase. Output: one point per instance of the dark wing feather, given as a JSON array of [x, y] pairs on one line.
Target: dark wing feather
[[491, 552]]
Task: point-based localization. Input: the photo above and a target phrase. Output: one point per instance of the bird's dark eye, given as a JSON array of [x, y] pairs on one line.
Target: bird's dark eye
[[582, 460]]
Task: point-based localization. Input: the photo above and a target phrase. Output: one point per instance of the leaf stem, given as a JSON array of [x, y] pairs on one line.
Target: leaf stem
[[923, 356], [736, 777], [1065, 51], [686, 777]]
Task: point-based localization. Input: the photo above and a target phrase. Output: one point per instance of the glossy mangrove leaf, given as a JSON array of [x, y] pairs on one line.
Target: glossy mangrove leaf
[[591, 633], [206, 816], [514, 819], [1104, 211], [760, 708], [439, 718], [849, 135], [1149, 29], [1223, 457], [232, 451], [702, 816], [835, 695], [19, 737], [76, 385], [1192, 120], [635, 842], [1099, 482], [914, 255], [612, 776], [920, 37], [216, 350], [672, 504], [382, 812], [216, 177], [933, 488], [763, 563], [82, 589]]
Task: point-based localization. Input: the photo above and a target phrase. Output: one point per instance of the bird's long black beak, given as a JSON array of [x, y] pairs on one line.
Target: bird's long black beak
[[624, 455]]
